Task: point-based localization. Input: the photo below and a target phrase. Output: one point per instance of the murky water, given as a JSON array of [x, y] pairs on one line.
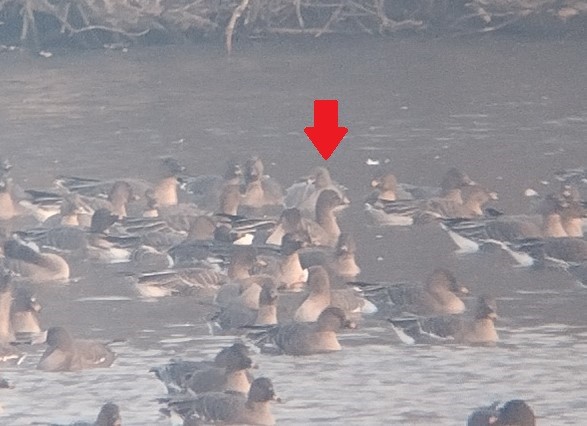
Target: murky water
[[509, 112]]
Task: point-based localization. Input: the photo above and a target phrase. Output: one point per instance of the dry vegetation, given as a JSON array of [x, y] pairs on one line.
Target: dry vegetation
[[107, 21]]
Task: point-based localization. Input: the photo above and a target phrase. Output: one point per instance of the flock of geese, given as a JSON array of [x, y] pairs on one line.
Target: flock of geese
[[275, 263]]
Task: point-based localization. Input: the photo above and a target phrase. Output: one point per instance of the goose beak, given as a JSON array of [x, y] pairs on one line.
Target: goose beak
[[35, 306]]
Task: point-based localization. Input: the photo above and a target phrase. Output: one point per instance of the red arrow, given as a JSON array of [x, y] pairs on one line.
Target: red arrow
[[326, 135]]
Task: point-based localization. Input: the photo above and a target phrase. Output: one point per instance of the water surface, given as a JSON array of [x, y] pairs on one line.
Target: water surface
[[510, 112]]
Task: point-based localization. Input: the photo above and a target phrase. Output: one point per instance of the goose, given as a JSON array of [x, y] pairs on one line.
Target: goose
[[227, 407], [165, 190], [290, 222], [340, 262], [304, 338], [327, 205], [453, 181], [470, 235], [478, 330], [234, 376], [440, 295], [385, 189], [8, 353], [205, 191], [43, 205], [177, 372], [515, 412], [117, 201], [109, 415], [304, 195], [202, 282], [95, 243], [37, 267], [73, 212], [68, 354], [573, 218], [9, 204], [260, 190], [237, 315], [320, 296], [285, 266], [470, 204], [324, 231], [242, 284], [191, 252], [24, 313], [566, 253], [178, 216]]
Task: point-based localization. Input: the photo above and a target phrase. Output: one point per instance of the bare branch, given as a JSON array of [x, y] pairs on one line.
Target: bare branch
[[231, 24]]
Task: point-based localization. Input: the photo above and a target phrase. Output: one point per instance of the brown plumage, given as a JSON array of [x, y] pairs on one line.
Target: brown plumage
[[68, 354]]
